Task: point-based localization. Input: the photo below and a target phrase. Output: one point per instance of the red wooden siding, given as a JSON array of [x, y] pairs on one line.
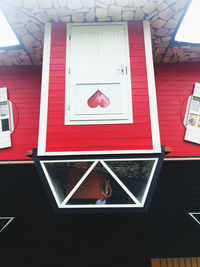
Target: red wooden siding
[[174, 83], [23, 85], [136, 136]]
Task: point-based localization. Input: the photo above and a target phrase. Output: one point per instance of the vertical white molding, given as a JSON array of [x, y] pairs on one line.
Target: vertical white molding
[[44, 91], [151, 88]]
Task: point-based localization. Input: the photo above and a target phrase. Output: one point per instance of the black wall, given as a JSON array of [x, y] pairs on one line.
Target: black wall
[[40, 237]]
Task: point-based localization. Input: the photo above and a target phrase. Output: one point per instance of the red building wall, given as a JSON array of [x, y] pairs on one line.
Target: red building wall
[[174, 83], [23, 86], [136, 136]]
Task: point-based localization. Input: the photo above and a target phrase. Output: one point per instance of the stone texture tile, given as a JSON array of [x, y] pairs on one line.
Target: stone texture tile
[[27, 18]]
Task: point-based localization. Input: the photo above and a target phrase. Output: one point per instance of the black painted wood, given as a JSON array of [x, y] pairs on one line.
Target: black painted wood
[[39, 237]]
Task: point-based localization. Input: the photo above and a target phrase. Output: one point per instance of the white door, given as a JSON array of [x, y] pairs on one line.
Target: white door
[[98, 73]]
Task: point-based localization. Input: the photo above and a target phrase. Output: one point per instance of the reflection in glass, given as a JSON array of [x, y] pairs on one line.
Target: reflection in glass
[[192, 119], [109, 182], [61, 175], [133, 174], [195, 105], [100, 188]]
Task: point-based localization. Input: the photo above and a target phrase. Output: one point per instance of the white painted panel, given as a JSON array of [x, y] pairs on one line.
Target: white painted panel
[[97, 99], [44, 91], [96, 52], [151, 88], [3, 94], [5, 139], [192, 134]]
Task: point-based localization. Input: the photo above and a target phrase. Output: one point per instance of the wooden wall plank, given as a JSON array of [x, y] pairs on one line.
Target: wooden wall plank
[[23, 86], [174, 84], [134, 136]]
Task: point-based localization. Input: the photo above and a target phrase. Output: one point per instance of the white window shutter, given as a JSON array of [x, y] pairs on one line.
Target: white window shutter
[[5, 140], [197, 90], [192, 134], [3, 94]]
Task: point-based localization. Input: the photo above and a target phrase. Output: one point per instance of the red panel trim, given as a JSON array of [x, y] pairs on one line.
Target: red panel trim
[[136, 136]]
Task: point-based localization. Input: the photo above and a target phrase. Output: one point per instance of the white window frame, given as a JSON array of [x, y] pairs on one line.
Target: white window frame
[[138, 204], [9, 116], [92, 119], [193, 131]]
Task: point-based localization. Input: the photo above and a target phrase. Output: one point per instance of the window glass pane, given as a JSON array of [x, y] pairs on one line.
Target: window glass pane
[[198, 122], [195, 105], [65, 175], [3, 109], [100, 188], [192, 119], [119, 182], [5, 125], [133, 174]]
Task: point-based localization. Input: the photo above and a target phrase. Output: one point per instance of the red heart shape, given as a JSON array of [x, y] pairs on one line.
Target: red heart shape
[[98, 99]]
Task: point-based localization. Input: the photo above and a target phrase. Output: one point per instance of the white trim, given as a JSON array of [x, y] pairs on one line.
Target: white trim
[[151, 88], [63, 153], [100, 206], [50, 183], [9, 221], [94, 159], [192, 215], [11, 116], [108, 119], [64, 204], [44, 91]]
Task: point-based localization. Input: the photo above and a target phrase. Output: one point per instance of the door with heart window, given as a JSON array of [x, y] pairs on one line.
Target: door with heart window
[[98, 87]]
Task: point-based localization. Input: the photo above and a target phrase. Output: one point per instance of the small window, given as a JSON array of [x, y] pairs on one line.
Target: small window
[[98, 88], [108, 183], [6, 119], [192, 116]]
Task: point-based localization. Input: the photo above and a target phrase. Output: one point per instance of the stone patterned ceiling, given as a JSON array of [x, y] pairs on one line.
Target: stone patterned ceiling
[[27, 18]]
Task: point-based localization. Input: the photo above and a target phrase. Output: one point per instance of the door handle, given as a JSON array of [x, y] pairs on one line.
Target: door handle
[[123, 69]]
